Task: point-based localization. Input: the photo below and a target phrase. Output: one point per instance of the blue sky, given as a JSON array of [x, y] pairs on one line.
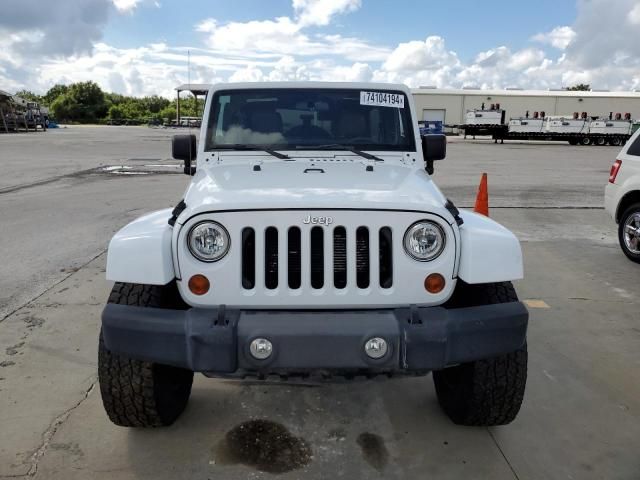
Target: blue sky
[[139, 47], [479, 25]]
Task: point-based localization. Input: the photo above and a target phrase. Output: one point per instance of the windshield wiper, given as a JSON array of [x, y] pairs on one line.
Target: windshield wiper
[[339, 146], [239, 146]]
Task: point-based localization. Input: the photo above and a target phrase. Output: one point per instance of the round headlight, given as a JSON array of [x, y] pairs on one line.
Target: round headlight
[[208, 241], [424, 241]]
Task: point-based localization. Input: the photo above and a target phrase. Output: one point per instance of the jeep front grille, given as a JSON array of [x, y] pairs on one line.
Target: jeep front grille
[[336, 257]]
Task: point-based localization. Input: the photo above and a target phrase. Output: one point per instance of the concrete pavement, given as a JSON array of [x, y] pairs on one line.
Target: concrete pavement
[[580, 419]]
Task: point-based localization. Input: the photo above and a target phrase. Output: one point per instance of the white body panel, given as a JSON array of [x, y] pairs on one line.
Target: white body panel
[[627, 181], [526, 125], [489, 252], [233, 185], [483, 117], [141, 251], [566, 125], [394, 193], [610, 127]]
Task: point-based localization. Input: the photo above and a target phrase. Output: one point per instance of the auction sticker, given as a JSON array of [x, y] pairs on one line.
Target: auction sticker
[[382, 99]]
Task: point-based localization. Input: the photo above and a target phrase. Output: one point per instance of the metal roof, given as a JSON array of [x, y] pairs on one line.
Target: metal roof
[[525, 93], [195, 88]]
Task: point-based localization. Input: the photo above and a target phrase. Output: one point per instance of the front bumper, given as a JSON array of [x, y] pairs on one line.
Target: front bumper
[[216, 341]]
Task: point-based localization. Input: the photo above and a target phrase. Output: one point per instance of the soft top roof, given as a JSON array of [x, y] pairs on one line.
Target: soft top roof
[[311, 85]]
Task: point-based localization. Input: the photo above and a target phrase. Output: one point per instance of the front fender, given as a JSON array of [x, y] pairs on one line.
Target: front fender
[[488, 252], [141, 251]]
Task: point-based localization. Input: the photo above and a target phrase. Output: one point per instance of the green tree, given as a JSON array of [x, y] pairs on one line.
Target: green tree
[[61, 108], [29, 96], [83, 102], [53, 93], [115, 112], [580, 87], [168, 113], [155, 103], [90, 104]]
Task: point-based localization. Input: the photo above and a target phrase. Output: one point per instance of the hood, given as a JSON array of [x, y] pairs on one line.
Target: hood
[[313, 184]]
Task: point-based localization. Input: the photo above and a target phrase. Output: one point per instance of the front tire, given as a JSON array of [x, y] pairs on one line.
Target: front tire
[[629, 232], [136, 393], [485, 392]]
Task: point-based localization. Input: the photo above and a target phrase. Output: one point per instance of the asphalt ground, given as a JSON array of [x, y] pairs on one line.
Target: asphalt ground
[[63, 194]]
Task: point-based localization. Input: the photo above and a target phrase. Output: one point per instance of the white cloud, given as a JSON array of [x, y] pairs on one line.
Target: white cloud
[[282, 36], [418, 56], [602, 34], [559, 37], [126, 6], [33, 27], [634, 15], [320, 12], [47, 43]]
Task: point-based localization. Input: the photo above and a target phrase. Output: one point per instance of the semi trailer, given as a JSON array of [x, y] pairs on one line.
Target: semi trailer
[[576, 129]]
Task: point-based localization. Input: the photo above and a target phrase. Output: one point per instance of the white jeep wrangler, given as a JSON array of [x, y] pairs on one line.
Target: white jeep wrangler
[[311, 242]]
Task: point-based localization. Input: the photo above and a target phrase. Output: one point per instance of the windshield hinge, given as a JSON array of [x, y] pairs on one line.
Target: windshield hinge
[[453, 210], [179, 208]]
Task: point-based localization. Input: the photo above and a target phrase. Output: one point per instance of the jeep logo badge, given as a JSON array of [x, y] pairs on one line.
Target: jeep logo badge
[[317, 220]]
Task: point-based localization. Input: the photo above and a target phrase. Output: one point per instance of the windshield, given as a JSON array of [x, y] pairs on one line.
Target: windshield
[[288, 119]]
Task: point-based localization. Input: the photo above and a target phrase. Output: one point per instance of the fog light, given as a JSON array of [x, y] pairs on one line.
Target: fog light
[[199, 284], [376, 347], [434, 283], [261, 348]]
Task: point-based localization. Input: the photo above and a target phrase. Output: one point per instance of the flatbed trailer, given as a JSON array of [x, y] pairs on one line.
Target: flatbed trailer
[[500, 133]]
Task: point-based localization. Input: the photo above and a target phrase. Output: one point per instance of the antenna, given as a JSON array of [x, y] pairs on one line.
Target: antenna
[[188, 120]]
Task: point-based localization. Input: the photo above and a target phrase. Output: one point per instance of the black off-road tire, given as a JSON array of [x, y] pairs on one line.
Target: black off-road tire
[[631, 210], [136, 393], [486, 392]]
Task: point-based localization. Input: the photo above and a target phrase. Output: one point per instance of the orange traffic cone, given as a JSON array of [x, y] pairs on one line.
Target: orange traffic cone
[[482, 200]]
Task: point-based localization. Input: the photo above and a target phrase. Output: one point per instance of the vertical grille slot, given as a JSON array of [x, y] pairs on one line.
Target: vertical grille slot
[[317, 257], [271, 258], [386, 257], [294, 257], [362, 257], [248, 258], [340, 257]]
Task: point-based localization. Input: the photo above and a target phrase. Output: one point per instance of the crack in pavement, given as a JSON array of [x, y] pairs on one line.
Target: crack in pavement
[[48, 435], [515, 475], [46, 181], [47, 290], [101, 171]]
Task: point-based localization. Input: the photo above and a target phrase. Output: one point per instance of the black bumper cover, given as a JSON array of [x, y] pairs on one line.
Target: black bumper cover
[[216, 340]]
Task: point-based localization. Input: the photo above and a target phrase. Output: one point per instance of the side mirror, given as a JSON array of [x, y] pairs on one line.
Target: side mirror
[[185, 148], [434, 147]]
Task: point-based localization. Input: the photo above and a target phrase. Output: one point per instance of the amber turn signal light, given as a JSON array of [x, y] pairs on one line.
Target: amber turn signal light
[[434, 283], [199, 284]]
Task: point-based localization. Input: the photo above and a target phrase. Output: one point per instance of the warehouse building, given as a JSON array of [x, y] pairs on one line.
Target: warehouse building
[[450, 106]]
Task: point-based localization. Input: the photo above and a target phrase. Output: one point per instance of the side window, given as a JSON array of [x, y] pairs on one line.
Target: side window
[[634, 149]]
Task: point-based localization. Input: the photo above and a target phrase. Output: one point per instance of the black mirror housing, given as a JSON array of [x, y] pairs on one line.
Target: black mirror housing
[[434, 147], [185, 148]]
